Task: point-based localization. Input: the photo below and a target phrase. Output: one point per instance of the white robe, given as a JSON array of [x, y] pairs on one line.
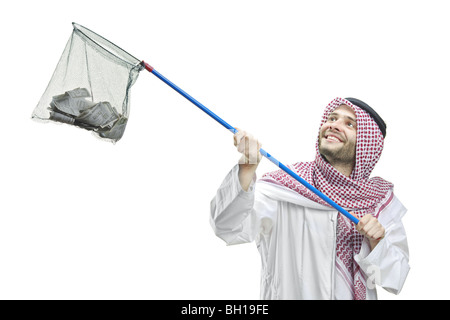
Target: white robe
[[296, 239]]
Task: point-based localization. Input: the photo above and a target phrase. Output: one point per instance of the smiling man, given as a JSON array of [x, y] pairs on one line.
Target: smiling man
[[337, 139], [308, 249]]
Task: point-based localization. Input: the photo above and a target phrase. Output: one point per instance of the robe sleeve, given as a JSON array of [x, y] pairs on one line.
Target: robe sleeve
[[387, 265], [239, 216]]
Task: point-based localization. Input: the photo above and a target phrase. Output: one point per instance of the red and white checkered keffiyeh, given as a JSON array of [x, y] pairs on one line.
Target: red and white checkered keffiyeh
[[357, 193]]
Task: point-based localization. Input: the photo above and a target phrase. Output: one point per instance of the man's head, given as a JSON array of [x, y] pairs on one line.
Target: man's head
[[351, 137], [337, 137]]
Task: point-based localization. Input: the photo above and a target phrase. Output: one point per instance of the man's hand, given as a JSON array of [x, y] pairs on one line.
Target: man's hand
[[249, 147], [371, 228]]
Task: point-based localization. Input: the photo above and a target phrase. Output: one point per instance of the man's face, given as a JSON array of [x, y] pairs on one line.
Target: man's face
[[337, 137]]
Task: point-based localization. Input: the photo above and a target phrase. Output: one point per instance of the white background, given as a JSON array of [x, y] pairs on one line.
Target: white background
[[85, 219]]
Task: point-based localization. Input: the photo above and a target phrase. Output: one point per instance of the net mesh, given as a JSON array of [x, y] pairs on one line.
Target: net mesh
[[90, 87]]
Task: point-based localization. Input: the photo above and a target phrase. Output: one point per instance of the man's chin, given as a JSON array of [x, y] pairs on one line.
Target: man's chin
[[328, 149], [330, 153]]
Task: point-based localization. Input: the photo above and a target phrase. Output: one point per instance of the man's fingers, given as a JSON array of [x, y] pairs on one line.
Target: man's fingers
[[370, 227], [378, 235], [376, 231], [243, 144], [248, 145], [238, 136]]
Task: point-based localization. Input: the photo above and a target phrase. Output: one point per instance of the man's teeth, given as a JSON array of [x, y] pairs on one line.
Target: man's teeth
[[333, 138]]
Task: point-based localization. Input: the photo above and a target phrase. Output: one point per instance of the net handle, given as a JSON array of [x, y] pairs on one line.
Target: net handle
[[262, 151]]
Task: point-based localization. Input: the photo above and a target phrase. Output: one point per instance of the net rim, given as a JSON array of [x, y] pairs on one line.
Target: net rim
[[83, 31]]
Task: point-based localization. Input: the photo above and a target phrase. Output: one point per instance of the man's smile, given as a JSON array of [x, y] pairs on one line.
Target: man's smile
[[332, 138]]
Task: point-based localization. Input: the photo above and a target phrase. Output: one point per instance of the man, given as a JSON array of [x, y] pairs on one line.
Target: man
[[308, 249]]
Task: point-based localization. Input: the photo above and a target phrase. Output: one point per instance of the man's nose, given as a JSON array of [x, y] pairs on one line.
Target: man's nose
[[335, 126]]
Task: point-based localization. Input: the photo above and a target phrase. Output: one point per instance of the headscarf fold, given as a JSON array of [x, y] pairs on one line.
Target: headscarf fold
[[357, 193]]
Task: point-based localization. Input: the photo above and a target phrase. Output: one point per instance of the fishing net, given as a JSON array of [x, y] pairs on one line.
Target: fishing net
[[90, 87]]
